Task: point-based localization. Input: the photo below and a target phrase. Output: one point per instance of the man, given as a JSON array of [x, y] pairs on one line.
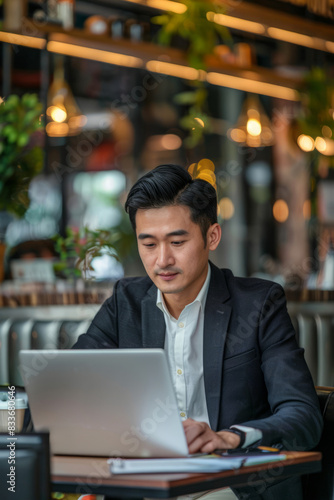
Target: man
[[238, 373]]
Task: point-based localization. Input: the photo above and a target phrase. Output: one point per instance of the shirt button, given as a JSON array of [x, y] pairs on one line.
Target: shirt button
[[179, 372], [182, 414], [181, 325]]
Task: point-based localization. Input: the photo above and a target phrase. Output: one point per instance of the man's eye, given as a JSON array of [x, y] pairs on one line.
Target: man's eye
[[177, 243], [148, 245]]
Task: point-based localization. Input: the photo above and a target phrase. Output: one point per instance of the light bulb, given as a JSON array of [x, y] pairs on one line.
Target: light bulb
[[254, 127], [57, 114]]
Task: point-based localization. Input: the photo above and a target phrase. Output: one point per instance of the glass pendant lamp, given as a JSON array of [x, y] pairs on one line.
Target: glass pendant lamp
[[64, 117]]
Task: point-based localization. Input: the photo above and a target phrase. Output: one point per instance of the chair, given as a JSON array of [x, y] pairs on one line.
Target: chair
[[31, 476], [320, 486], [19, 338], [4, 347], [70, 331]]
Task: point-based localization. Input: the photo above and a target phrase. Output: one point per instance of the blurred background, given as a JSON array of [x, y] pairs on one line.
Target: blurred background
[[97, 93]]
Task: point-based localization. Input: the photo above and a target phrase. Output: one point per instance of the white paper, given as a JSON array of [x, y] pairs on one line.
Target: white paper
[[208, 464]]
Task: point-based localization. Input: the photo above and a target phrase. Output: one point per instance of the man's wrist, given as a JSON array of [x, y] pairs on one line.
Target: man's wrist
[[238, 432], [252, 436]]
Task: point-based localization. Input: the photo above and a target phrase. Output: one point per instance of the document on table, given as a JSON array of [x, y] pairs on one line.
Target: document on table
[[208, 463]]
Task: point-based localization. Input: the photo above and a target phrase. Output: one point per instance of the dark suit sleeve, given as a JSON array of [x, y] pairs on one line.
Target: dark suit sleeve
[[296, 420], [103, 331]]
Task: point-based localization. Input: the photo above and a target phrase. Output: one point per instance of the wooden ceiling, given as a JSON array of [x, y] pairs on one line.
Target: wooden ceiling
[[323, 8], [278, 24]]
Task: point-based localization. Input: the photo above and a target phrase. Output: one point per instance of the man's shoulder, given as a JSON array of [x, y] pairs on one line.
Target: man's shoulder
[[249, 284], [253, 282], [134, 286]]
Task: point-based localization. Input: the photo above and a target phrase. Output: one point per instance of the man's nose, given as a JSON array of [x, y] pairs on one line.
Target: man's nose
[[165, 257]]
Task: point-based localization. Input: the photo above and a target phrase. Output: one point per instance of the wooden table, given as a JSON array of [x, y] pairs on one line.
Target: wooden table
[[91, 475]]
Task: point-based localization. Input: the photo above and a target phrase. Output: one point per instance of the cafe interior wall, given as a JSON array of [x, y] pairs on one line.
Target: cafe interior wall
[[74, 162], [292, 174], [253, 241], [245, 237]]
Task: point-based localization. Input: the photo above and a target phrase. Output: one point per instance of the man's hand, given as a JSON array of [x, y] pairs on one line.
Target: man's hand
[[201, 438]]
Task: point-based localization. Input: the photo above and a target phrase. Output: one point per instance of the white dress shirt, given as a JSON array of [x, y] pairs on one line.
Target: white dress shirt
[[184, 348]]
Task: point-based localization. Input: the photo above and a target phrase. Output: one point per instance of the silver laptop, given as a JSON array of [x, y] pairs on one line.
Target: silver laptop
[[104, 402]]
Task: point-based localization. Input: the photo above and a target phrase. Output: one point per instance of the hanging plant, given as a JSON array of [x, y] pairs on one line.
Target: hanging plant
[[202, 35], [315, 124], [194, 26], [316, 119], [196, 121], [317, 94]]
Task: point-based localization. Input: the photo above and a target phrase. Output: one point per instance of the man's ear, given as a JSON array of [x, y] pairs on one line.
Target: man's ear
[[213, 236]]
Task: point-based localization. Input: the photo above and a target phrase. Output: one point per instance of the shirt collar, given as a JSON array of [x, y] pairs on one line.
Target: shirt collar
[[201, 297]]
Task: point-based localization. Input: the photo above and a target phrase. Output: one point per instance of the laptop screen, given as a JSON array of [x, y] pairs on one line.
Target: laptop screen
[[104, 402]]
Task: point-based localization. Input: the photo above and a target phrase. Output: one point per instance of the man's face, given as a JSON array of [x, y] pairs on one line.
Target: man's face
[[172, 250]]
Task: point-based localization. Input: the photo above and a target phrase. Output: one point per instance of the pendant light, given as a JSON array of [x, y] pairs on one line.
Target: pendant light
[[253, 127], [64, 117]]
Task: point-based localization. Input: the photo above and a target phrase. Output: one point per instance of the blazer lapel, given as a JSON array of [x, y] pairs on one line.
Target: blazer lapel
[[217, 315], [153, 323]]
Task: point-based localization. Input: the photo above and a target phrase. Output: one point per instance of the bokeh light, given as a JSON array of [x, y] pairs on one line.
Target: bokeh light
[[305, 142], [57, 114], [280, 211], [226, 208], [254, 127], [307, 209], [320, 144]]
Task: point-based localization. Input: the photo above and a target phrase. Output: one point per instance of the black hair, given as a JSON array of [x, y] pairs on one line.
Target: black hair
[[170, 185]]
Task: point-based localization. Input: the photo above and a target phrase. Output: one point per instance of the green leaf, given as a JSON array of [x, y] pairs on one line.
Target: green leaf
[[12, 117], [187, 122], [185, 97], [8, 130], [11, 102], [12, 136], [193, 25], [9, 172], [29, 100], [22, 139], [18, 164], [30, 117], [162, 20]]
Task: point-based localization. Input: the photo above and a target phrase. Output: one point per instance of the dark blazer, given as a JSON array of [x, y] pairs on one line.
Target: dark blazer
[[254, 371]]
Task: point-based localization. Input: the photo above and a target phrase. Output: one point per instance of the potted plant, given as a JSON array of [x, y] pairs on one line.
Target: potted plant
[[79, 247]]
